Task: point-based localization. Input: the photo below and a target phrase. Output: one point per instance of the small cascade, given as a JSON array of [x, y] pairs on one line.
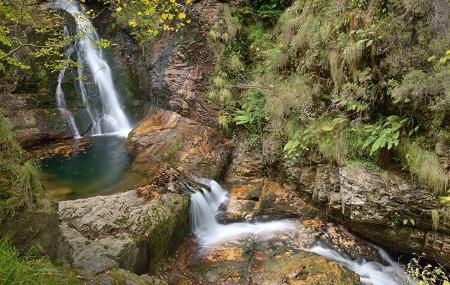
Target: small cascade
[[102, 104], [371, 273], [205, 208], [206, 205], [60, 97]]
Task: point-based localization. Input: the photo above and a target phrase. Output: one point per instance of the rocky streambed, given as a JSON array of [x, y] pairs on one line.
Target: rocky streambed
[[143, 235]]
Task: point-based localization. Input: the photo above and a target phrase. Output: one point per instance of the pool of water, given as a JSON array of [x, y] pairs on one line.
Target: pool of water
[[103, 167]]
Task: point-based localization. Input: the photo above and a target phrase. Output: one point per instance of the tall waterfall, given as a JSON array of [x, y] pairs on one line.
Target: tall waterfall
[[102, 105], [205, 206]]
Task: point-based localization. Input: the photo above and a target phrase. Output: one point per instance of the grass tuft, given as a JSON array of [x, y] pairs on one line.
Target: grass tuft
[[424, 166], [18, 270]]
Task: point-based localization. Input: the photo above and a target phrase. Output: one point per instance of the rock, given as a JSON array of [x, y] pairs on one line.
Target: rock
[[123, 230], [187, 145], [300, 269], [270, 261], [123, 277], [34, 226], [381, 206], [247, 164], [33, 125], [173, 70]]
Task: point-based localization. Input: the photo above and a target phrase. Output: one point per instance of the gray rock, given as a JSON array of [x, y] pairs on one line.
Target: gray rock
[[123, 230]]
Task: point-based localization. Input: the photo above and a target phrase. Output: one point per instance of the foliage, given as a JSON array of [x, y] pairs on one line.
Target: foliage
[[427, 274], [19, 177], [31, 40], [423, 95], [379, 68], [148, 18], [383, 135], [424, 166], [29, 270], [269, 10]]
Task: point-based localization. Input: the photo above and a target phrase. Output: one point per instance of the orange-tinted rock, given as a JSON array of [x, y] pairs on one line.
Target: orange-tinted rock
[[186, 145]]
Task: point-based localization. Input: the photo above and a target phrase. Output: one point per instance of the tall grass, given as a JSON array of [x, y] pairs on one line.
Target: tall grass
[[19, 175], [18, 270], [425, 166]]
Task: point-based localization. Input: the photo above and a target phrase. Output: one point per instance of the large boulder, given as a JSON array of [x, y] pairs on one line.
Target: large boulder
[[167, 137], [33, 124], [383, 207], [134, 230]]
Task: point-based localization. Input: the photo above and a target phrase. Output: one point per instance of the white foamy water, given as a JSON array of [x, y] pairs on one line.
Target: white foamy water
[[205, 208], [206, 205], [109, 117], [370, 272]]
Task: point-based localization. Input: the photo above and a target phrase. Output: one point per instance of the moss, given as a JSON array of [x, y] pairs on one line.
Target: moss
[[172, 149]]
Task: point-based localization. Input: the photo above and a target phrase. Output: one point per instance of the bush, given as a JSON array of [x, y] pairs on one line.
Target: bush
[[423, 96]]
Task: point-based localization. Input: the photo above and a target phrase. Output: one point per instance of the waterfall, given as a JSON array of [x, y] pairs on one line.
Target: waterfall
[[60, 97], [103, 107], [205, 226], [206, 205]]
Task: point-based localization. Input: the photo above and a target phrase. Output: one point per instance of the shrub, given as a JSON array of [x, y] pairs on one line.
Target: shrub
[[427, 274], [419, 89]]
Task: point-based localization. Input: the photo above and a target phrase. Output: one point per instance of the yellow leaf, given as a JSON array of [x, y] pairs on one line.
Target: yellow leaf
[[188, 2], [118, 9]]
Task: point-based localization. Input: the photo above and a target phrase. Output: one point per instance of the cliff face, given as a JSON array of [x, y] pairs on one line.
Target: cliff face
[[173, 72]]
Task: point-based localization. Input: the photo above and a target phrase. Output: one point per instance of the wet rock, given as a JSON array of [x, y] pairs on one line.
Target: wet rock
[[271, 261], [383, 207], [173, 70], [300, 269], [123, 230], [187, 145], [33, 125]]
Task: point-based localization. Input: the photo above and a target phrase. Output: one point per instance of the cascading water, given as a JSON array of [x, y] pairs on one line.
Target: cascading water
[[206, 205], [60, 97], [109, 116]]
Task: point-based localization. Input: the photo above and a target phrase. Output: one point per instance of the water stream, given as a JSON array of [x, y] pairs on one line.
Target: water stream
[[101, 104], [60, 96], [207, 205]]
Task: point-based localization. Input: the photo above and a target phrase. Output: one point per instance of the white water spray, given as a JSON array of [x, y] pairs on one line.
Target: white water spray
[[110, 118], [205, 206], [370, 272], [60, 98]]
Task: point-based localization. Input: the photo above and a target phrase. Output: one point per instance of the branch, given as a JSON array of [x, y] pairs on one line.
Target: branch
[[19, 47]]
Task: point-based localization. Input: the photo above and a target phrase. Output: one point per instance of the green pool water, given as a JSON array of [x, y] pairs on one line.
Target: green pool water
[[103, 168]]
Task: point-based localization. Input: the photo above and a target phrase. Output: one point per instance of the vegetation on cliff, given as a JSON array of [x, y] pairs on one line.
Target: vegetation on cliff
[[360, 82]]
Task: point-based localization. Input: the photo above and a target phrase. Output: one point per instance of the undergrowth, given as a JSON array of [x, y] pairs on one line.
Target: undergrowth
[[30, 270], [354, 81]]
